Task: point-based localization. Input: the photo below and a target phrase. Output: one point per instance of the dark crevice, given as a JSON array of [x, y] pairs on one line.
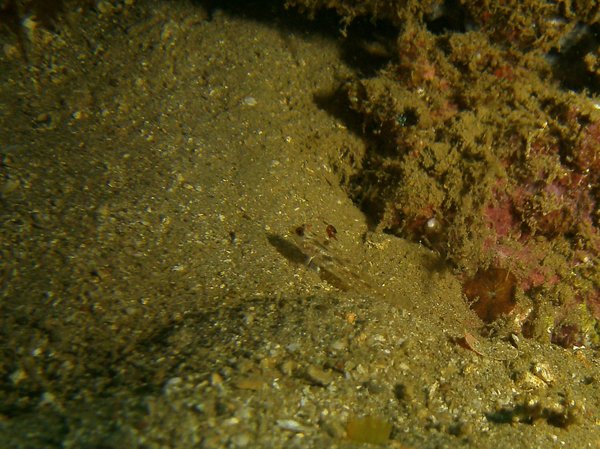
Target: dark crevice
[[449, 17], [569, 65]]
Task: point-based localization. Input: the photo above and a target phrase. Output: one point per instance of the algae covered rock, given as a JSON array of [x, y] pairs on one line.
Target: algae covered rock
[[480, 151]]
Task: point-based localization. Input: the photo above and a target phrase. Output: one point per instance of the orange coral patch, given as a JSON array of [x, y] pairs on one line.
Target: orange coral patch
[[491, 293]]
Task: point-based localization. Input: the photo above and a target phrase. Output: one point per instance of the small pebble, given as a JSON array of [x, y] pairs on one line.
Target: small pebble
[[250, 383], [249, 101], [10, 185], [241, 440], [542, 370], [339, 345], [334, 428], [216, 379], [319, 376], [292, 425]]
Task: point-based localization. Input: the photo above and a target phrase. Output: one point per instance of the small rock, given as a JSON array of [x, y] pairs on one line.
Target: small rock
[[292, 425], [528, 381], [334, 428], [319, 376], [339, 345], [10, 185], [249, 101], [216, 379], [241, 440], [250, 383], [543, 371]]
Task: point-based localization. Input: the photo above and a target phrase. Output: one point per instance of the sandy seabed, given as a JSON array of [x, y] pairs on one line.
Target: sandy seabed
[[158, 161]]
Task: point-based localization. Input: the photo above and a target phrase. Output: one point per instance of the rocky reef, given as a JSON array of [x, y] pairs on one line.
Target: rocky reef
[[484, 131]]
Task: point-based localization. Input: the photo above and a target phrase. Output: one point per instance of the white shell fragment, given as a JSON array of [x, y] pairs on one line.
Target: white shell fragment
[[292, 426]]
